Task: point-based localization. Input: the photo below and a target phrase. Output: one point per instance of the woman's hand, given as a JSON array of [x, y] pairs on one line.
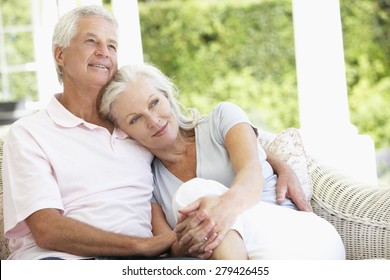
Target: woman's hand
[[204, 223]]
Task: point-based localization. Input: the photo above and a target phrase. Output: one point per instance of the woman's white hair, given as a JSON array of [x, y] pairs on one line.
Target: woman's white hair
[[129, 74], [66, 27]]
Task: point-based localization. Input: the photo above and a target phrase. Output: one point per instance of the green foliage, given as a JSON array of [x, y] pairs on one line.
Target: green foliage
[[23, 86], [243, 51], [226, 50], [16, 12], [366, 29], [19, 48]]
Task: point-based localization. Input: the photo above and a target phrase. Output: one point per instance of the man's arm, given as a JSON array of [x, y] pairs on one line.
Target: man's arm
[[288, 185], [53, 231]]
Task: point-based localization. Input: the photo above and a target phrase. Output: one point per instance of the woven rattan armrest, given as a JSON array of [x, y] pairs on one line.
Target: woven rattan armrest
[[359, 212]]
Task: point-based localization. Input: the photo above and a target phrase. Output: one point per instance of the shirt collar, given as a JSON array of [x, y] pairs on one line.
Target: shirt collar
[[62, 117], [120, 134]]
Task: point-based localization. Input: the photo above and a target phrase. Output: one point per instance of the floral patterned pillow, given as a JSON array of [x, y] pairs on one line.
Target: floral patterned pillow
[[288, 147]]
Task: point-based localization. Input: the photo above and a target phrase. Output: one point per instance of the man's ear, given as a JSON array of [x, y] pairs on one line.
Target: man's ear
[[58, 55]]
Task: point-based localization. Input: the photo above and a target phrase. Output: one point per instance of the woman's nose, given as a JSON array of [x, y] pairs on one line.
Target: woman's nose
[[153, 121]]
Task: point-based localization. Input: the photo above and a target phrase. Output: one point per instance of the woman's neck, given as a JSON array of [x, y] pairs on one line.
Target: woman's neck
[[182, 163], [180, 151]]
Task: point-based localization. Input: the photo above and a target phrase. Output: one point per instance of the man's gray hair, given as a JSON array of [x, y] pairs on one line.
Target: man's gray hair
[[66, 27]]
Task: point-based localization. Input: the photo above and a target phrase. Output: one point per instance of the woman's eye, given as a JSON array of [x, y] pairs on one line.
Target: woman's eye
[[134, 120], [154, 103]]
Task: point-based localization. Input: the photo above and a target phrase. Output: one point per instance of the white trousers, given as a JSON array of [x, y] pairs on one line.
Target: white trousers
[[271, 231]]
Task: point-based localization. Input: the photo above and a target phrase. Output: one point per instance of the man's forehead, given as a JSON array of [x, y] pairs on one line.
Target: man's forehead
[[96, 25], [97, 31]]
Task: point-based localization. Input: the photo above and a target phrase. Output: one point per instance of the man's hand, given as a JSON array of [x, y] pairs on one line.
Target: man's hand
[[288, 186]]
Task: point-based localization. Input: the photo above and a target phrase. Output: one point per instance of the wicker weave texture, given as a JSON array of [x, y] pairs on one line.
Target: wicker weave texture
[[359, 212], [3, 241]]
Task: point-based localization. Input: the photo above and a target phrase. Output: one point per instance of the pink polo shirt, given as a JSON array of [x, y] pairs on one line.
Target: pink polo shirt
[[53, 159]]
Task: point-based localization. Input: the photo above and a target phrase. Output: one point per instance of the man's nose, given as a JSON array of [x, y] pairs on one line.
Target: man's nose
[[103, 50]]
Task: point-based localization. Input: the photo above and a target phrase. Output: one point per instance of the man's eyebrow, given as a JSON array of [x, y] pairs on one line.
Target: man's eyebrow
[[111, 41], [90, 34]]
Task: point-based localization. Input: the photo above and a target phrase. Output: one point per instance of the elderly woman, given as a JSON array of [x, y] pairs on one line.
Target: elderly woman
[[237, 199]]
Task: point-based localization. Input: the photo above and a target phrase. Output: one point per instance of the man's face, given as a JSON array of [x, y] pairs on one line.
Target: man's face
[[91, 58]]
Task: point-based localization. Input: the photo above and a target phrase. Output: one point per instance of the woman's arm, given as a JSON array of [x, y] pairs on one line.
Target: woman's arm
[[245, 191]]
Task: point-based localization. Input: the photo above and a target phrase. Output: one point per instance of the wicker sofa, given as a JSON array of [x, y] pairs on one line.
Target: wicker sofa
[[360, 213]]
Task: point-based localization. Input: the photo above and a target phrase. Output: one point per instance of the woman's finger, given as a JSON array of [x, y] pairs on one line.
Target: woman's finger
[[197, 235]]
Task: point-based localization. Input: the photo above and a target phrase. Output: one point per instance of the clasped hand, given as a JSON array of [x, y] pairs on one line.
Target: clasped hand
[[203, 224]]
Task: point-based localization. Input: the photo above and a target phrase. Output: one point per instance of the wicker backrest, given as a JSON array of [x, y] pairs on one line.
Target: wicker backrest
[[3, 241]]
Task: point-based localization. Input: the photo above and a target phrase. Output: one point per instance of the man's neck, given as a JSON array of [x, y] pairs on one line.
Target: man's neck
[[84, 106]]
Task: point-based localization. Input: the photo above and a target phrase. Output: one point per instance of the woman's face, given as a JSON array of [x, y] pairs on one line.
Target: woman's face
[[144, 113]]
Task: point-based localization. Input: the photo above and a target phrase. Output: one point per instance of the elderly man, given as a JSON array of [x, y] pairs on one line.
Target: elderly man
[[74, 187]]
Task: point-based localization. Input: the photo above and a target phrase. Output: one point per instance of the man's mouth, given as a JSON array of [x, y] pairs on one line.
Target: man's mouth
[[99, 66]]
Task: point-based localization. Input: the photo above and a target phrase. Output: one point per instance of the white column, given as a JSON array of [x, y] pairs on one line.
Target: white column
[[45, 16], [322, 90], [129, 31], [64, 6]]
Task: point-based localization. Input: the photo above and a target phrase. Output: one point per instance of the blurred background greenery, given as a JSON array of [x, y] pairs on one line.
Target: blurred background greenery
[[243, 51]]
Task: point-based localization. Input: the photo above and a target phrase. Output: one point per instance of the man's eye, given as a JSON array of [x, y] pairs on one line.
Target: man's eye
[[113, 47]]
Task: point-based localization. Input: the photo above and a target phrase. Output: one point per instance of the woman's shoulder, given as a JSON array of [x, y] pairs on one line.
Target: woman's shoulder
[[228, 108], [223, 111], [225, 105]]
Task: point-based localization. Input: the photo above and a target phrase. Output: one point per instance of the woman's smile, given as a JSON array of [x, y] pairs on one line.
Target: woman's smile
[[161, 131]]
